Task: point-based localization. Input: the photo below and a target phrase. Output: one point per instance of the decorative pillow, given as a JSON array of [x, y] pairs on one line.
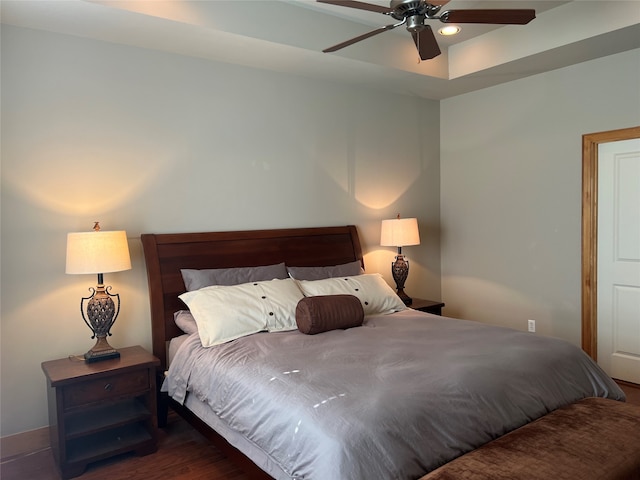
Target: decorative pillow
[[319, 273], [374, 293], [224, 313], [185, 321], [197, 279], [328, 312]]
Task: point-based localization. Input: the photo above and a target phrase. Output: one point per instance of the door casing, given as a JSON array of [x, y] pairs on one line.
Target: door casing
[[590, 144]]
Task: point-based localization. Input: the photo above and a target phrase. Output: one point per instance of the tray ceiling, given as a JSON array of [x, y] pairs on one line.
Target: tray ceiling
[[288, 36]]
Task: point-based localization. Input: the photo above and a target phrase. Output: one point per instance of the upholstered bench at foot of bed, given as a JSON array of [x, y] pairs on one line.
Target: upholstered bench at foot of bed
[[592, 439]]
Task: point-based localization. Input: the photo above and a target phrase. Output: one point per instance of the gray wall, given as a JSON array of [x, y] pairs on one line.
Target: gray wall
[[153, 142], [511, 167]]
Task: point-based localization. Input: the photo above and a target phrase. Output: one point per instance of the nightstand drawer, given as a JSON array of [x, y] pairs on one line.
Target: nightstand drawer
[[105, 388]]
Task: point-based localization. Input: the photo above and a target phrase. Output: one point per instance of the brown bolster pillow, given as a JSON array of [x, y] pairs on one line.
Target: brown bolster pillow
[[328, 312]]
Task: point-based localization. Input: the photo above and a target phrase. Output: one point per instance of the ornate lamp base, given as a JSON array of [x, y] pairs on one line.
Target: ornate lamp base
[[404, 297], [400, 271], [101, 315], [101, 351]]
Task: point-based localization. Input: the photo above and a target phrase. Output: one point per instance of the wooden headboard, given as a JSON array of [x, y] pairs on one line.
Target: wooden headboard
[[165, 254]]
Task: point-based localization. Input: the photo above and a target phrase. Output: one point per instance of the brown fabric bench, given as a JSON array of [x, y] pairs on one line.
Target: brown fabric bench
[[592, 439]]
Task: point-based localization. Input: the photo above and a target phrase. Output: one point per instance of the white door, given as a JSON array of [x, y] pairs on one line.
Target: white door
[[619, 259]]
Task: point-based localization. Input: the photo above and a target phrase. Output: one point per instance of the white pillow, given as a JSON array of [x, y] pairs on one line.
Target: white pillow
[[376, 296], [224, 313]]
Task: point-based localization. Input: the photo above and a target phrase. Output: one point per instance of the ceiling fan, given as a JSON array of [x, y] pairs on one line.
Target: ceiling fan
[[413, 13]]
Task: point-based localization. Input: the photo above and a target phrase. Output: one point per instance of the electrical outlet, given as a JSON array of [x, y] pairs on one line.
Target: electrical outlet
[[531, 326]]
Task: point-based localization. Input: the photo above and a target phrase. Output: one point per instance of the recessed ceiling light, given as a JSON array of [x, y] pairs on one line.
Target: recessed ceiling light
[[449, 30]]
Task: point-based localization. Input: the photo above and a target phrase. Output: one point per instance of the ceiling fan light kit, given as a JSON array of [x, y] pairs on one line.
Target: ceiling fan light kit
[[449, 30], [414, 13]]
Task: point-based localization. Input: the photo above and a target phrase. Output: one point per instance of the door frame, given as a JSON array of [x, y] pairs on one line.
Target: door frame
[[590, 143]]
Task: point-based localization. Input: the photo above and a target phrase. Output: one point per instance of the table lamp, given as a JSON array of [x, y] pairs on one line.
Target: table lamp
[[400, 232], [99, 252]]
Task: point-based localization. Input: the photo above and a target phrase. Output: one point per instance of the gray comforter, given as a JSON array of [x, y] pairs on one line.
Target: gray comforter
[[392, 399]]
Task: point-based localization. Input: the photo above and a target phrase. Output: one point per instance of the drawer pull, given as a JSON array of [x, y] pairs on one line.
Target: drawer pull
[[108, 387]]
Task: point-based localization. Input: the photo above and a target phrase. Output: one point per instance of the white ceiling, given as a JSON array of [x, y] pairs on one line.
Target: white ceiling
[[289, 35]]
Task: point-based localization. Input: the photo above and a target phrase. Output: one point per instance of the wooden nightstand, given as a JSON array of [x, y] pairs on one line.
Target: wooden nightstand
[[428, 306], [101, 409]]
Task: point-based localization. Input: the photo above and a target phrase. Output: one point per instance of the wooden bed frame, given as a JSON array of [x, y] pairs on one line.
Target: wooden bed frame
[[166, 254]]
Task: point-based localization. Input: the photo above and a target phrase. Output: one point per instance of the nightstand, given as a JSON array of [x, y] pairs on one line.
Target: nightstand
[[101, 409], [428, 306]]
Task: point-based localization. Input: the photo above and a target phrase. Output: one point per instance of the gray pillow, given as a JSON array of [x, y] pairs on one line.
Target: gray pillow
[[197, 279], [185, 321], [320, 273]]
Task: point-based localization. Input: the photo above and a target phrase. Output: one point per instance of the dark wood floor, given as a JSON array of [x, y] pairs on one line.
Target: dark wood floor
[[632, 391], [183, 454]]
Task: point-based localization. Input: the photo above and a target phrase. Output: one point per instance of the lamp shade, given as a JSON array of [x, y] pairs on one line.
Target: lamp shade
[[399, 232], [97, 252]]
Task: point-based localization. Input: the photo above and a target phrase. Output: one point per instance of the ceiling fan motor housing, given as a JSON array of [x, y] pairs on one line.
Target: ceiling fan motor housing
[[415, 23], [406, 8], [414, 12]]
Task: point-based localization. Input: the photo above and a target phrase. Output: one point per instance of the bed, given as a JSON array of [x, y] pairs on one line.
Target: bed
[[396, 397]]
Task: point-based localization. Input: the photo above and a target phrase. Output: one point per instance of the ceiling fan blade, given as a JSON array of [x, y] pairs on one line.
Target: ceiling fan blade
[[426, 43], [359, 5], [506, 16], [362, 37]]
